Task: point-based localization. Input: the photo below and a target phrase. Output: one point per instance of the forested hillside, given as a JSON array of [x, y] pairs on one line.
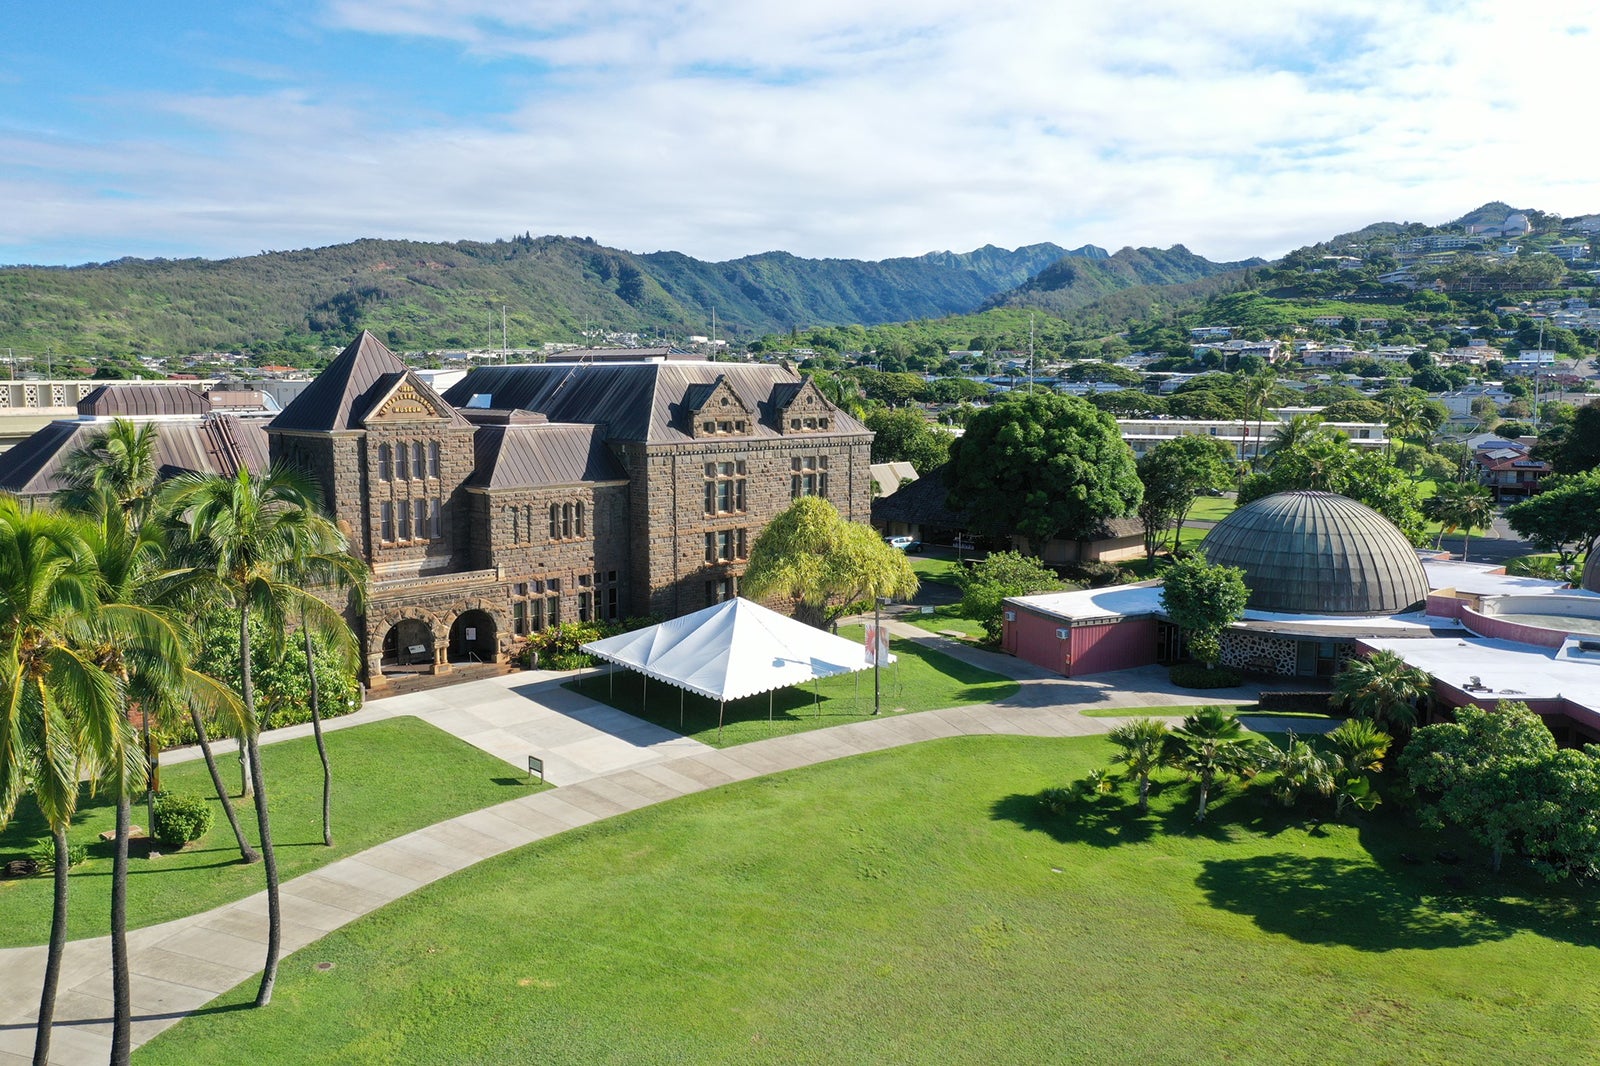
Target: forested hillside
[[422, 295]]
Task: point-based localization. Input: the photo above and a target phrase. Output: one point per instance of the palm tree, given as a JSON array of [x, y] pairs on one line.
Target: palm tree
[[1462, 506], [1358, 750], [1300, 769], [59, 708], [1210, 744], [1382, 689], [244, 539], [330, 564], [119, 460], [1406, 415], [1142, 748], [1292, 434], [1257, 390]]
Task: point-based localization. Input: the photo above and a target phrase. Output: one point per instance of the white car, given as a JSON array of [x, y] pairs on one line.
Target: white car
[[905, 544]]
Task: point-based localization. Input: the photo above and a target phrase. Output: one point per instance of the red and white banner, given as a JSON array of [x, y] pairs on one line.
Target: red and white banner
[[877, 644]]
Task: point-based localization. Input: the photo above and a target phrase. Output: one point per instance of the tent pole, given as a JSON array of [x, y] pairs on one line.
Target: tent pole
[[680, 710], [644, 694], [721, 706], [611, 681], [769, 706], [816, 695]]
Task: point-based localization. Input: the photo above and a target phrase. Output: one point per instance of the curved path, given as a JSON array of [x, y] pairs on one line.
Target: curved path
[[179, 966]]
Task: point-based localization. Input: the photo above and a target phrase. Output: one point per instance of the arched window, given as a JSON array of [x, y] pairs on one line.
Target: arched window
[[579, 515], [566, 520], [516, 533], [418, 459], [555, 521], [433, 458], [385, 462]]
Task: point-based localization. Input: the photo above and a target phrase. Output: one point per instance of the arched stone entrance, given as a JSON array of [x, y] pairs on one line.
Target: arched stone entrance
[[409, 642], [473, 638]]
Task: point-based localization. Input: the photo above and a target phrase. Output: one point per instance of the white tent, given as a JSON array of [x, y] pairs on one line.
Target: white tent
[[732, 650]]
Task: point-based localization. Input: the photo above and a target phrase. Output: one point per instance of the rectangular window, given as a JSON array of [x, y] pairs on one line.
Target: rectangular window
[[519, 617], [611, 603], [743, 547], [554, 584], [435, 526], [405, 519], [535, 614], [553, 611], [418, 460], [433, 458], [711, 548], [385, 463], [583, 606], [388, 521], [419, 511]]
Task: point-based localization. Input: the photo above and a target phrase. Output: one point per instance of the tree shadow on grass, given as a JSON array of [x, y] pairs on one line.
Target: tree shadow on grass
[[1368, 907], [1102, 822]]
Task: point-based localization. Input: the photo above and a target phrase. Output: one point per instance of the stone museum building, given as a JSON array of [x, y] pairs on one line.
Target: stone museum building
[[622, 483]]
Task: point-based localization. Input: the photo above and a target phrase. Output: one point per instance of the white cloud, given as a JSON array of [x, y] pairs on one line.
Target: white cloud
[[869, 129]]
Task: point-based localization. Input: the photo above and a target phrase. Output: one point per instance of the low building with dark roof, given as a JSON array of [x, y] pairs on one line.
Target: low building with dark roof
[[190, 436]]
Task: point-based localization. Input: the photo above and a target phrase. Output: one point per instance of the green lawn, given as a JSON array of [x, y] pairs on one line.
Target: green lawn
[[922, 680], [389, 778], [934, 567], [945, 620], [1211, 508], [918, 906]]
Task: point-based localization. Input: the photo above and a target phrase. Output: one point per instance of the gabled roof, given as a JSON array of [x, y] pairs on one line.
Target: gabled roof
[[644, 402], [533, 455], [214, 444], [347, 391], [920, 503], [130, 400]]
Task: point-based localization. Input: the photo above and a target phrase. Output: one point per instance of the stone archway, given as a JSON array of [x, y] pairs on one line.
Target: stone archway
[[408, 643], [474, 637]]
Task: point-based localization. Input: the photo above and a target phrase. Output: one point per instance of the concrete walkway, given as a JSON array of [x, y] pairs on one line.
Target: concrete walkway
[[180, 966]]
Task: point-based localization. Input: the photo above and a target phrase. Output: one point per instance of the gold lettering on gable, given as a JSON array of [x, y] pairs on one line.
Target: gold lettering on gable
[[407, 401]]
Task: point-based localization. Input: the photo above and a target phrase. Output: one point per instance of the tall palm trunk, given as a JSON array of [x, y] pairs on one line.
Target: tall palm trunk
[[247, 852], [1144, 793], [121, 995], [269, 972], [1205, 795], [322, 747], [58, 946]]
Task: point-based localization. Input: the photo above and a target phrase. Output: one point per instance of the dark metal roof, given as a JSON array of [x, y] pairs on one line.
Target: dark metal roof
[[143, 401], [919, 503], [646, 402], [1319, 553], [344, 393], [214, 444], [523, 455]]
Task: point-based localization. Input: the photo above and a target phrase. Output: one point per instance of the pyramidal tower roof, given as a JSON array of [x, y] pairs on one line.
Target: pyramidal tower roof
[[345, 393], [1319, 553]]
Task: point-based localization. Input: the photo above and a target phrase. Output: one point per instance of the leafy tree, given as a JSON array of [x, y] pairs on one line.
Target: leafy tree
[[905, 435], [1142, 747], [1475, 772], [1462, 506], [1042, 466], [1353, 411], [986, 584], [1128, 403], [1577, 448], [811, 556], [1203, 600], [1563, 518], [1381, 688], [1212, 744], [1173, 473]]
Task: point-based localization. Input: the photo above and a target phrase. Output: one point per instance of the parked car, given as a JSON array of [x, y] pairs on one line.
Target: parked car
[[905, 544]]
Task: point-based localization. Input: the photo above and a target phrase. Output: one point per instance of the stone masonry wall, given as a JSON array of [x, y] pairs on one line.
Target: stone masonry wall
[[668, 513]]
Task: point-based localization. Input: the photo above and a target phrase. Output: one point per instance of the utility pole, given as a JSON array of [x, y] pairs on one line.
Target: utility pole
[[503, 345], [1030, 353], [877, 640]]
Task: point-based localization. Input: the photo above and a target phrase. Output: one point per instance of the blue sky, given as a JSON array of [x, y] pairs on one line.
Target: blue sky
[[850, 128]]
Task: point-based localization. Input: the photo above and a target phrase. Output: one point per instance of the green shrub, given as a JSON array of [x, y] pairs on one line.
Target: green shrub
[[43, 853], [556, 648], [1302, 702], [180, 817], [1193, 675]]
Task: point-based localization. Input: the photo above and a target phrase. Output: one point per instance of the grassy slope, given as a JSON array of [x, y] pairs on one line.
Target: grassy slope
[[389, 779], [922, 680], [916, 906]]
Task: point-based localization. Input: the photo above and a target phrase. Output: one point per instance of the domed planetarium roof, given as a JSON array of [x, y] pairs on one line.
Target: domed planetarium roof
[[1319, 553]]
